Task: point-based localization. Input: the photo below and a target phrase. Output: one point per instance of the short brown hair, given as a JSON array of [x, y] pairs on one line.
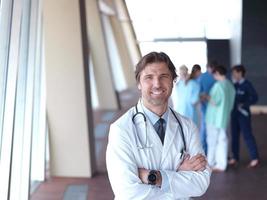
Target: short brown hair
[[220, 69], [154, 57], [239, 68]]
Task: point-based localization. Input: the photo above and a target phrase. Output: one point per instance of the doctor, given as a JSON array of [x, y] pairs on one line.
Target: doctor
[[153, 152]]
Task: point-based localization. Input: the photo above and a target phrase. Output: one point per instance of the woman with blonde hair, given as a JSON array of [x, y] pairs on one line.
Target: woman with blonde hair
[[185, 94]]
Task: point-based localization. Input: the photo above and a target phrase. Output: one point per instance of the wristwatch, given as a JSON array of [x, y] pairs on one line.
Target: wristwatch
[[152, 177]]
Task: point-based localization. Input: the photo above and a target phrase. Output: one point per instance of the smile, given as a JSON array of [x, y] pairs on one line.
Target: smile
[[157, 92]]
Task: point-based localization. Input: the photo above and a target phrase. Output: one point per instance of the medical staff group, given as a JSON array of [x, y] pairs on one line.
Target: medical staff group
[[155, 150], [215, 103]]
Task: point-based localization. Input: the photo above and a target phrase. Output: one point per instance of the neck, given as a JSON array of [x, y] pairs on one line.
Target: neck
[[221, 78], [238, 80], [157, 109]]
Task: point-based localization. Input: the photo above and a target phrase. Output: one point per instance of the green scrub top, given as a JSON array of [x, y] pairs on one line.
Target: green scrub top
[[222, 96]]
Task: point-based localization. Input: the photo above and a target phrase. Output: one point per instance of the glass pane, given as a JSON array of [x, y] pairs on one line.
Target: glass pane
[[39, 117], [5, 26], [20, 134], [8, 75]]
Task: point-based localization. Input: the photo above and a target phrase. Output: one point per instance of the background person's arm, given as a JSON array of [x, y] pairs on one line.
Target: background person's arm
[[195, 92], [252, 95], [216, 95]]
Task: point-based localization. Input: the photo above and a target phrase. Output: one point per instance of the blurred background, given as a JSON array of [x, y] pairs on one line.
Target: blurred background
[[67, 72]]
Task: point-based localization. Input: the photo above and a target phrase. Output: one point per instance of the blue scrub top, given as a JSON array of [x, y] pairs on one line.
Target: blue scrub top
[[184, 98], [206, 81]]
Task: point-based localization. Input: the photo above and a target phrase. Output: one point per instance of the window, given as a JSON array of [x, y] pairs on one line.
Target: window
[[22, 95], [5, 17]]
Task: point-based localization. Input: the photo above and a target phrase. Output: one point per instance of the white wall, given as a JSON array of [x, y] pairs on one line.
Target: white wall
[[66, 97], [236, 31]]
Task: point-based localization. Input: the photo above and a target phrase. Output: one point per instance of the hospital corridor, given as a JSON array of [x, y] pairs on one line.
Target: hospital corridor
[[235, 183], [124, 99]]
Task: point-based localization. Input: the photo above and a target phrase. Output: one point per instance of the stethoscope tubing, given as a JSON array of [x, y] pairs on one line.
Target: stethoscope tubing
[[145, 120]]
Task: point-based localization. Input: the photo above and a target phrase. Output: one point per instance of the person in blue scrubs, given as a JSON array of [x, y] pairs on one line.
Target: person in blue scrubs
[[246, 96], [206, 81], [185, 94]]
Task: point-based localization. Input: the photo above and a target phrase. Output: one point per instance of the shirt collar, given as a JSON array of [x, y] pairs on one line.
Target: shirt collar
[[153, 118], [241, 81]]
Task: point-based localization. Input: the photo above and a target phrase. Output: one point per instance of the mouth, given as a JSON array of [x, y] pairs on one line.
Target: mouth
[[157, 92]]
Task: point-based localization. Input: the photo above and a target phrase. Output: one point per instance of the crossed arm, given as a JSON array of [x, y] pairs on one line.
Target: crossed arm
[[128, 181], [196, 163]]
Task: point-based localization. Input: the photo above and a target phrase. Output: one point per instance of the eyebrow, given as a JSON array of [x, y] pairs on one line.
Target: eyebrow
[[165, 74]]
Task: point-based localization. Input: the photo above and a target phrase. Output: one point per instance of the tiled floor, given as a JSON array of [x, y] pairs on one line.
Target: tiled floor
[[235, 184], [54, 188]]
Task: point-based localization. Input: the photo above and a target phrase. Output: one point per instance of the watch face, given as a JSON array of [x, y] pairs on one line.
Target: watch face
[[152, 178]]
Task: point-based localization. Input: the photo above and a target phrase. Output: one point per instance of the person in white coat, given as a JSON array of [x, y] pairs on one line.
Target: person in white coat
[[185, 94], [153, 152]]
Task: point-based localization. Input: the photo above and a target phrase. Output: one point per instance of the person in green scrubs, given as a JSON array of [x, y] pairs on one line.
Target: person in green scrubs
[[220, 104]]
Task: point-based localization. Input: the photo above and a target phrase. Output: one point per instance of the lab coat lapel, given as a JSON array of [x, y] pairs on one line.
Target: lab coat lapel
[[171, 131], [152, 134]]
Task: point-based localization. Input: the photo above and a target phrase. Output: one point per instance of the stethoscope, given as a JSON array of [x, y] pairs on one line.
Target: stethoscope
[[146, 146]]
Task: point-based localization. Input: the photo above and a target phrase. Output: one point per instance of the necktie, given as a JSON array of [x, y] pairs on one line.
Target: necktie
[[159, 126]]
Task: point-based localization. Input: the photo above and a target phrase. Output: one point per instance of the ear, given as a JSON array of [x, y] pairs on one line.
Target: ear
[[139, 86], [172, 83]]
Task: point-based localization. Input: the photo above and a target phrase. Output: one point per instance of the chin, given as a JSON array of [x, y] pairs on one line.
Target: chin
[[158, 102]]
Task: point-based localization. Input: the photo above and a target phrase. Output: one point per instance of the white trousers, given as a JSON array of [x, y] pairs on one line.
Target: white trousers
[[217, 147]]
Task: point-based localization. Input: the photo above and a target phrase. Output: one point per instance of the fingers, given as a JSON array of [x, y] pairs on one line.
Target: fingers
[[186, 157], [185, 165], [197, 157], [198, 162], [201, 166]]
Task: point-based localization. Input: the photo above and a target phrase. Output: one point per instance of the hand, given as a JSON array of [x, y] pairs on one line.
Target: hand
[[207, 98], [143, 174], [202, 97], [196, 163]]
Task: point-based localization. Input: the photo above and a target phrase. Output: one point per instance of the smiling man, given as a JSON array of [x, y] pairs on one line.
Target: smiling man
[[153, 152]]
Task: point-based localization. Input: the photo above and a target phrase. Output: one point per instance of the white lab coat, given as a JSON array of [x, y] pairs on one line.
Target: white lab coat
[[124, 158]]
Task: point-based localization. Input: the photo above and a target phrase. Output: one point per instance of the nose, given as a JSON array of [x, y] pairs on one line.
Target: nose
[[156, 82]]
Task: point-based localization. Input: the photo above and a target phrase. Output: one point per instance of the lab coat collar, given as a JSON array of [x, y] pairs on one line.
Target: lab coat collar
[[170, 132], [153, 136]]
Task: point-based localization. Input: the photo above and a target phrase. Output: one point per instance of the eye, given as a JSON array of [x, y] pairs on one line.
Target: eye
[[148, 77], [165, 76]]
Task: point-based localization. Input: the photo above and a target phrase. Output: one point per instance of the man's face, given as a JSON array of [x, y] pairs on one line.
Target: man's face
[[155, 84], [237, 76]]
